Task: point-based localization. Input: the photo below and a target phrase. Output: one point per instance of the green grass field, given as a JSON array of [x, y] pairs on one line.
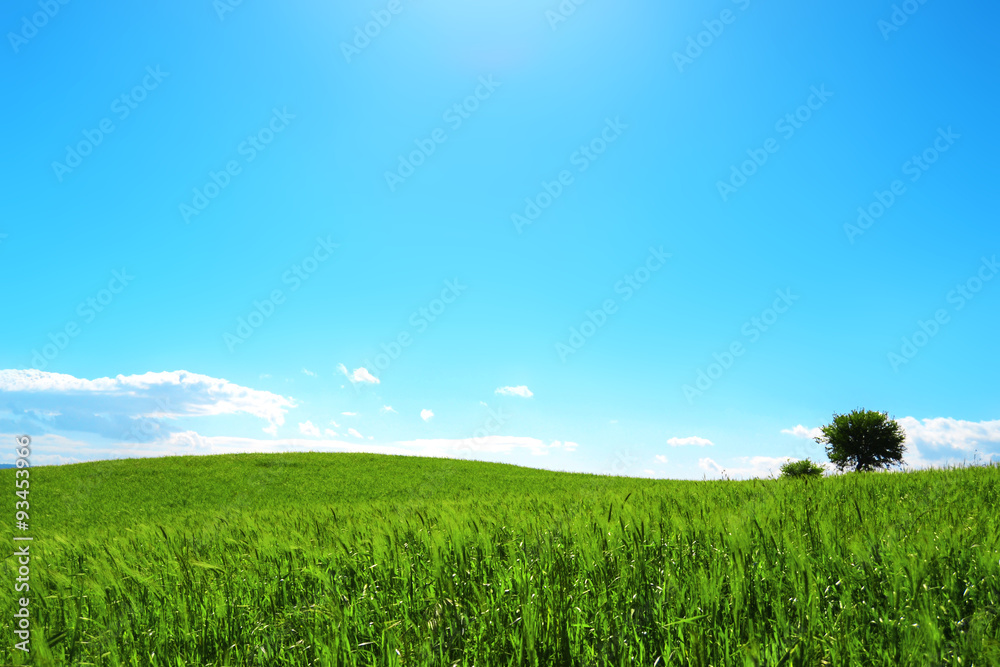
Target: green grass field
[[351, 559]]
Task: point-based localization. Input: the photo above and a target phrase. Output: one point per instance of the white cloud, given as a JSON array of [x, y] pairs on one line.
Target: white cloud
[[308, 372], [426, 415], [359, 375], [389, 408], [308, 428], [692, 440], [709, 465], [661, 458], [362, 375], [113, 406], [801, 431], [349, 414], [566, 446], [944, 441], [330, 432], [52, 449], [353, 432], [953, 434], [334, 424], [521, 391]]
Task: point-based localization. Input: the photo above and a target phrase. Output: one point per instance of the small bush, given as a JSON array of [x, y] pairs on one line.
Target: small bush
[[804, 468]]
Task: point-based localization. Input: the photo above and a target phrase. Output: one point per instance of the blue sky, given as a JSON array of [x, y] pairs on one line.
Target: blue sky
[[656, 239]]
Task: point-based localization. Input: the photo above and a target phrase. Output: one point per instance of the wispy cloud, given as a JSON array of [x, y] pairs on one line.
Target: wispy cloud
[[360, 375], [308, 372], [389, 408], [484, 446], [801, 431], [521, 391], [747, 467], [426, 415], [308, 428], [353, 432], [565, 446], [54, 449], [661, 458], [690, 441], [349, 414]]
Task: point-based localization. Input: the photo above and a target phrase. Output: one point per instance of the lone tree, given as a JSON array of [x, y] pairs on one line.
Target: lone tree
[[863, 440]]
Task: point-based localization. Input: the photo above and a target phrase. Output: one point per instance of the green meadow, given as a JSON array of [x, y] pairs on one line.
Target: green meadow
[[353, 559]]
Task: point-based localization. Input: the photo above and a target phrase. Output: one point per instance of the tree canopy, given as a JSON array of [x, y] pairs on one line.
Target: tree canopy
[[863, 440]]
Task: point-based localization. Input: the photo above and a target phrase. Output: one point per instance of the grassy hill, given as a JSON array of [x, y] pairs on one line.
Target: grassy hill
[[354, 559], [187, 489]]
